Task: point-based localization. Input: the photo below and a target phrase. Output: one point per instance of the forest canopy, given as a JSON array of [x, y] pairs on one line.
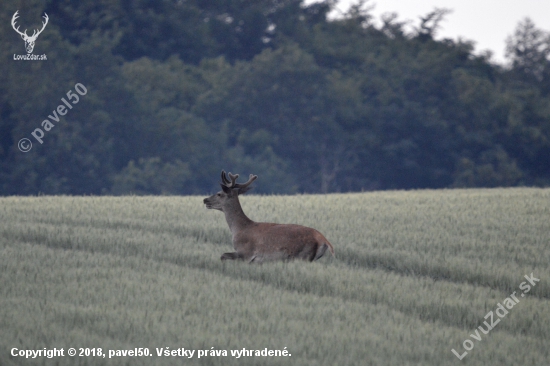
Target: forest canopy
[[178, 90]]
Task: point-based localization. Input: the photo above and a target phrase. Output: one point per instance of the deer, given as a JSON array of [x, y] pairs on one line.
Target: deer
[[257, 242], [29, 41]]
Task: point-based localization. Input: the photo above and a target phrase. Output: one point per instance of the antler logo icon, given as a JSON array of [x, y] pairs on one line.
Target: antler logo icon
[[29, 41]]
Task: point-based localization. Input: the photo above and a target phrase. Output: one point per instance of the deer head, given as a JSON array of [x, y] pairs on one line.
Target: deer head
[[29, 41], [230, 191]]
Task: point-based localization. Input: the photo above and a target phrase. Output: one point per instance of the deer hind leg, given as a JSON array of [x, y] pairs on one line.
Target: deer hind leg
[[320, 251], [231, 256]]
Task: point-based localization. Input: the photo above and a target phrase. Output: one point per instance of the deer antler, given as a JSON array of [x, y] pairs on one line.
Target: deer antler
[[226, 182], [251, 179], [224, 179], [233, 177], [45, 16], [24, 34], [13, 19]]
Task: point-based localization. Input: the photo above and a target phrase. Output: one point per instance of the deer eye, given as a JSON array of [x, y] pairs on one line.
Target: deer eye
[[219, 194]]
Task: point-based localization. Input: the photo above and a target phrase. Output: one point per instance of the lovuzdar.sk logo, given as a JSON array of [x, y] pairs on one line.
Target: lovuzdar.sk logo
[[29, 40]]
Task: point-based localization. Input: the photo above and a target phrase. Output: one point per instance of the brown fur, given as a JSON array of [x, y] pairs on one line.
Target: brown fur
[[257, 241]]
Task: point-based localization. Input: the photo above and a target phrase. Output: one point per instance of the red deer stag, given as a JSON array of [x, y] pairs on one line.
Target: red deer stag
[[260, 241]]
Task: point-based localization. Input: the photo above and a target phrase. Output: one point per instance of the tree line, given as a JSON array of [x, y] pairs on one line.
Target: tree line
[[178, 90]]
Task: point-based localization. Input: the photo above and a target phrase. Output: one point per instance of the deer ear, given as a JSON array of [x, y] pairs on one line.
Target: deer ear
[[225, 188]]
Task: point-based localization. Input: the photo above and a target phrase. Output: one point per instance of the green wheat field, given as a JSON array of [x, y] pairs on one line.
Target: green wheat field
[[415, 275]]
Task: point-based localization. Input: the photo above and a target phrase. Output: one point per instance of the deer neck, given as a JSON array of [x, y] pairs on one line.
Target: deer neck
[[235, 216]]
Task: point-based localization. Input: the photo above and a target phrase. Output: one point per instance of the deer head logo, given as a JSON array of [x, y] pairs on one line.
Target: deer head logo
[[29, 41]]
